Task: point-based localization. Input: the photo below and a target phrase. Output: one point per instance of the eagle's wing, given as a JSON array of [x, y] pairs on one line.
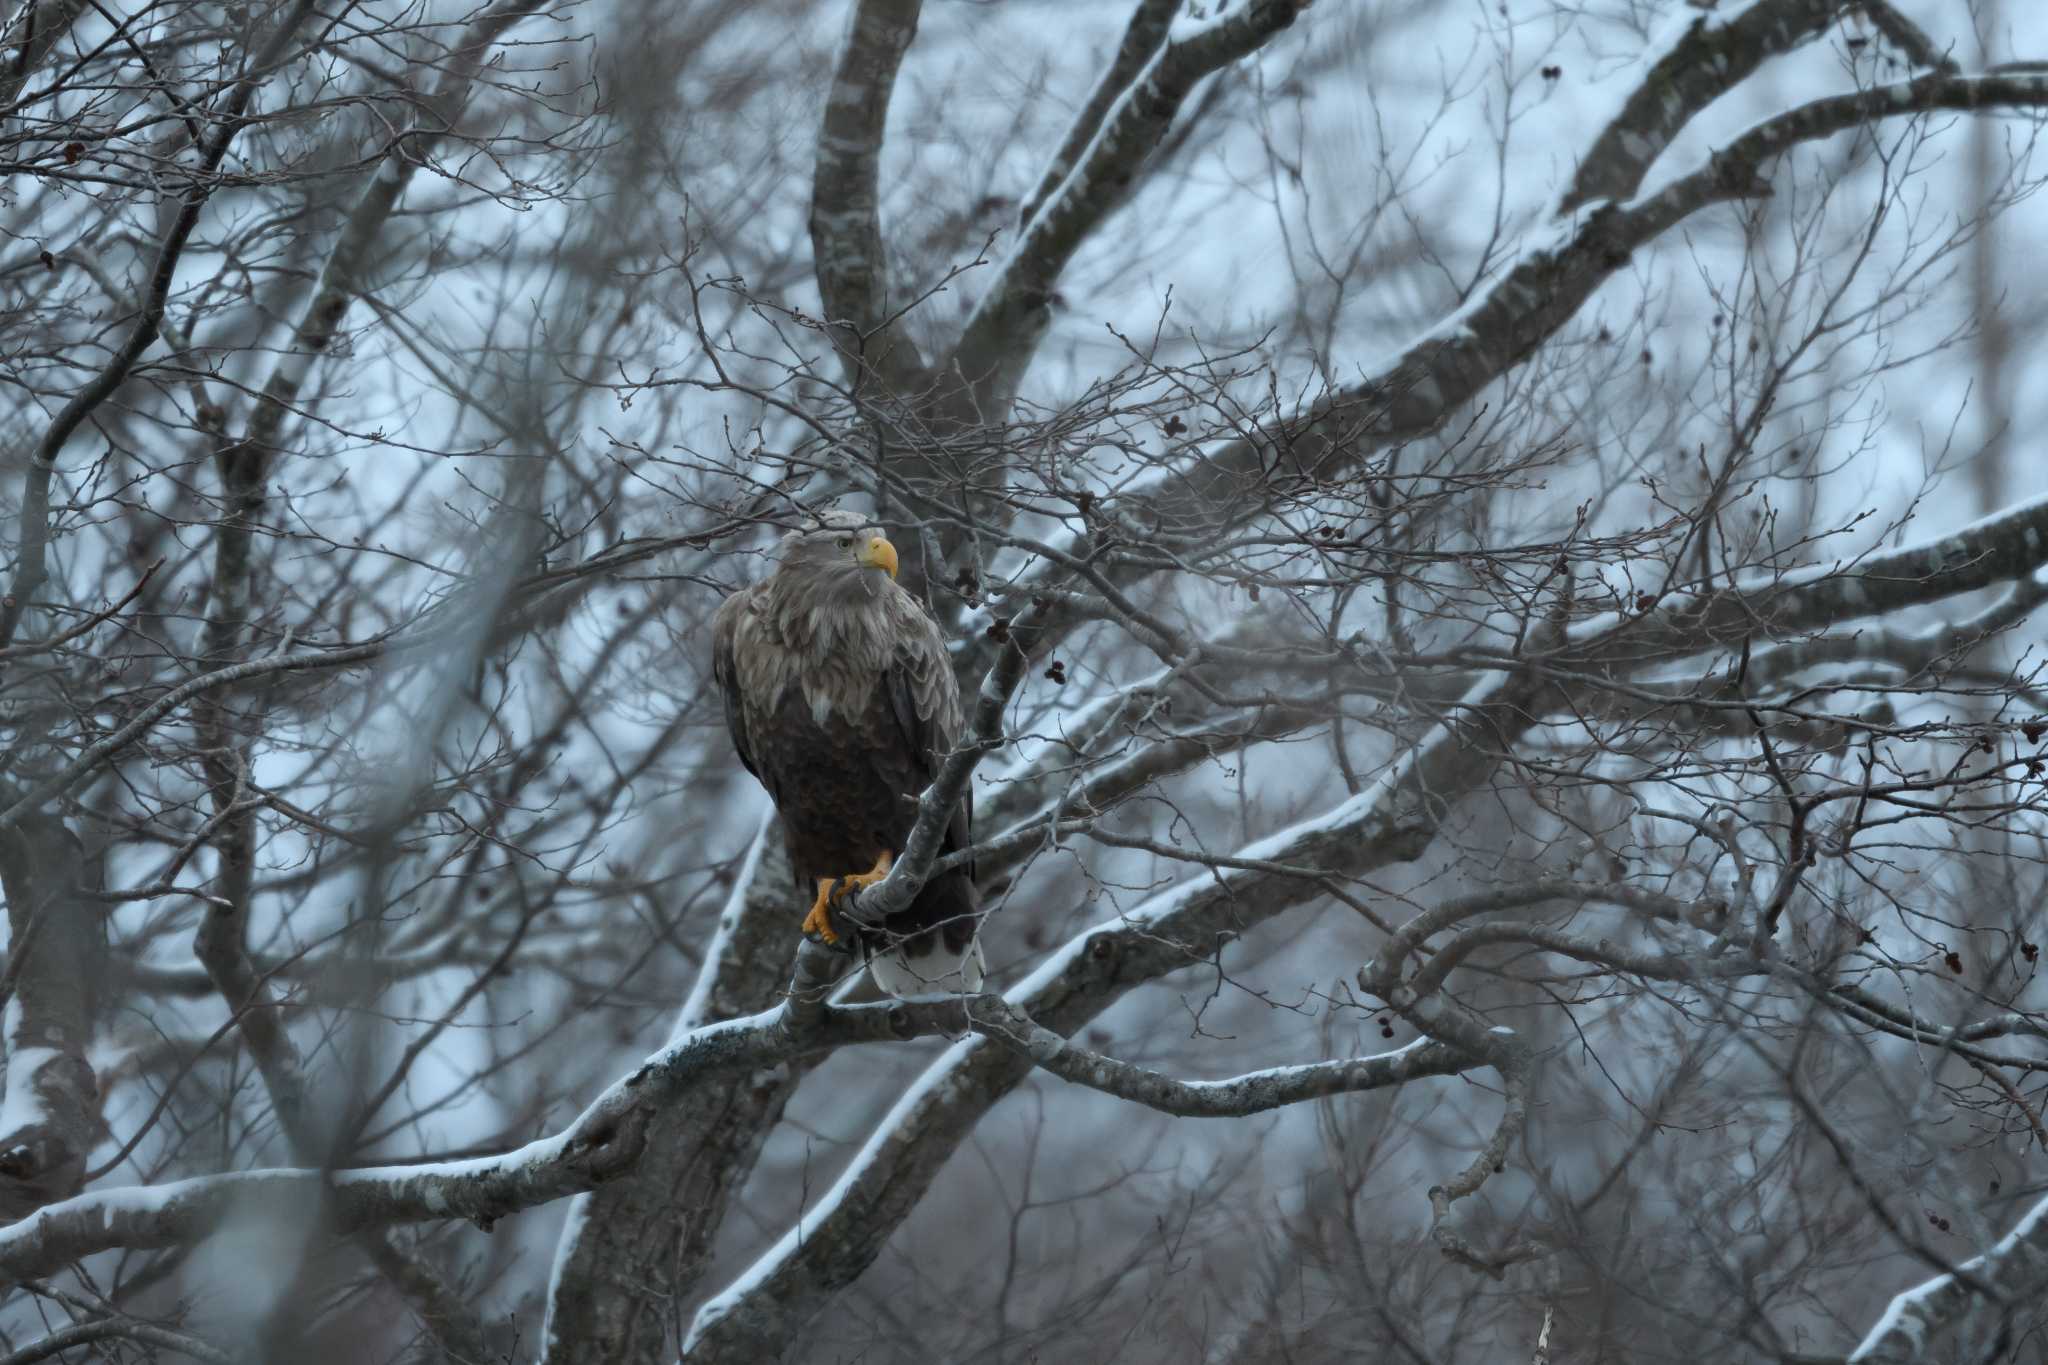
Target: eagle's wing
[[924, 702], [727, 671]]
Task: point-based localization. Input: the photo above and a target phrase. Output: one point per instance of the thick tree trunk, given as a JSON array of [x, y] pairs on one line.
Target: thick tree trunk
[[634, 1249], [56, 946]]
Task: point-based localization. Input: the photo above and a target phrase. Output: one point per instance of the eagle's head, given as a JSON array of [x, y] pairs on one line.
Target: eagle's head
[[838, 554]]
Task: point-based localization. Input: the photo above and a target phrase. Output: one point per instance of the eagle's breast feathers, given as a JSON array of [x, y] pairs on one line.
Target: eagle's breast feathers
[[836, 659]]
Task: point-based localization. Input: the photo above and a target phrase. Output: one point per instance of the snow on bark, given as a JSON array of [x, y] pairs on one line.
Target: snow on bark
[[1914, 1321]]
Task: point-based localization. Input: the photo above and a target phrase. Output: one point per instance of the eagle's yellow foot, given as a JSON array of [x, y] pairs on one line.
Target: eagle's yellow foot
[[861, 881], [818, 924], [832, 890]]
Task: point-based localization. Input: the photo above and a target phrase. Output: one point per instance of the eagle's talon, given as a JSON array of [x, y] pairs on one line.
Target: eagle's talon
[[818, 924], [834, 892], [853, 883]]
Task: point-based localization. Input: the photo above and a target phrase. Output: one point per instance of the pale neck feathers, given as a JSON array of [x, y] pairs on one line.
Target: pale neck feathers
[[832, 645]]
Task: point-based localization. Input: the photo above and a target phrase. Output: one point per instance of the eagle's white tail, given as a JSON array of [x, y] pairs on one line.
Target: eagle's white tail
[[937, 972]]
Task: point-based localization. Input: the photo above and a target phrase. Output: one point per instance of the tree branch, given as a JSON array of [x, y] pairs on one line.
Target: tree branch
[[1142, 37], [846, 230], [1003, 333], [33, 565], [611, 1134], [2017, 1267], [1252, 1093], [1716, 53]]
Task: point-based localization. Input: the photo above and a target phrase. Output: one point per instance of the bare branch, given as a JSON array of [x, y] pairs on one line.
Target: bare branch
[[1252, 1093], [32, 567], [1003, 333]]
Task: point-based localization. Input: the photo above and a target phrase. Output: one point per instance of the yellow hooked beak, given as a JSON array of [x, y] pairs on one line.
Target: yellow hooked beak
[[878, 553]]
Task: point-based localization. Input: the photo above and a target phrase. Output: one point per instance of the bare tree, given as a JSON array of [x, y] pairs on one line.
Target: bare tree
[[1454, 532]]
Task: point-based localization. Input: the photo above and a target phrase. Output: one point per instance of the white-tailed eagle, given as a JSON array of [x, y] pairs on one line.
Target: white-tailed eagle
[[842, 702]]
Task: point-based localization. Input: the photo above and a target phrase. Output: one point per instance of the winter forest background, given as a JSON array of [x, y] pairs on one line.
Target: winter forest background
[[1500, 550]]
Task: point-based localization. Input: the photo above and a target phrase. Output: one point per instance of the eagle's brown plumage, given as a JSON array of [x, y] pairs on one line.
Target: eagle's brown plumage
[[842, 702]]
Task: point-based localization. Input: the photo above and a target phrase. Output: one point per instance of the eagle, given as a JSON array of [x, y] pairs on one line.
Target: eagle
[[841, 701]]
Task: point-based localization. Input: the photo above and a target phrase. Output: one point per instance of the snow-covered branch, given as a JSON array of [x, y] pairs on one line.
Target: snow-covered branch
[[602, 1143], [1911, 1331], [1416, 391], [1714, 53], [1252, 1093], [613, 1133], [1142, 36]]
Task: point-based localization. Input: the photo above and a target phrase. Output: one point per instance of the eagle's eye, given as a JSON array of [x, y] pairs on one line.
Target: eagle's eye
[[845, 542]]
